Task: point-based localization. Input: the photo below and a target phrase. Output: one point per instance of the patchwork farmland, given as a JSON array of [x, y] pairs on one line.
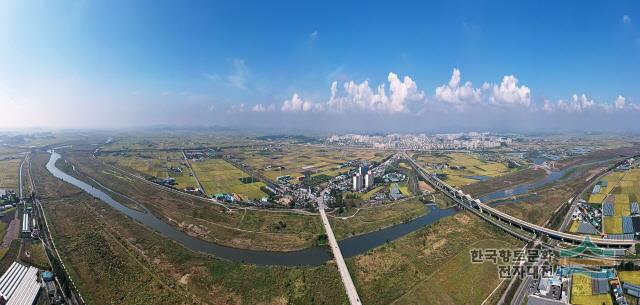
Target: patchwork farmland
[[158, 164], [615, 194], [461, 168], [220, 176], [296, 160]]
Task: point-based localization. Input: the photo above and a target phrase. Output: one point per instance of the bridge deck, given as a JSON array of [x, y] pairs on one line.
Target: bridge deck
[[481, 209]]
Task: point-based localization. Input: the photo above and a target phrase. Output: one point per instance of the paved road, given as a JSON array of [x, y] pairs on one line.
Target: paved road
[[574, 203], [518, 298], [194, 174], [354, 299], [74, 297], [20, 174]]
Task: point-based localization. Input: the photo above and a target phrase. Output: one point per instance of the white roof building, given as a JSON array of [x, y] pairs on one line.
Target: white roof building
[[19, 285]]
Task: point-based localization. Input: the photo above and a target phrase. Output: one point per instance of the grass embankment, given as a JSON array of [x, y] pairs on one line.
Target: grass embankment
[[116, 260], [376, 217], [251, 229], [509, 180], [426, 266], [600, 155]]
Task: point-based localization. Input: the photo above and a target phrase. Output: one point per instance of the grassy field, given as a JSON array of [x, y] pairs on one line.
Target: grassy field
[[632, 277], [373, 218], [155, 164], [473, 165], [295, 160], [581, 293], [37, 256], [425, 266], [254, 229], [116, 260], [220, 176], [9, 174], [3, 230]]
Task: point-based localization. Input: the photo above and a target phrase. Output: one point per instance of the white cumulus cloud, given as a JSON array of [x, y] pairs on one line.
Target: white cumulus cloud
[[402, 95], [262, 108], [297, 104], [620, 102], [361, 97], [458, 95], [509, 93], [576, 104]]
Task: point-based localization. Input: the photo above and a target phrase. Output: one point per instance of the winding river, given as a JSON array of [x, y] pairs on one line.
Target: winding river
[[312, 256], [528, 187]]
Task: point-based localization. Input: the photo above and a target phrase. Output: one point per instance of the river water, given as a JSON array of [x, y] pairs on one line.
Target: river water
[[307, 257], [525, 188]]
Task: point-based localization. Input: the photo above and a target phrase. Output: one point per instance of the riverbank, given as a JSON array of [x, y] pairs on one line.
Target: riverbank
[[308, 256], [116, 258], [422, 266]]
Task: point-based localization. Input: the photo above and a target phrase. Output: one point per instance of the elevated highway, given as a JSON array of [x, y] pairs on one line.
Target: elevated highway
[[507, 222]]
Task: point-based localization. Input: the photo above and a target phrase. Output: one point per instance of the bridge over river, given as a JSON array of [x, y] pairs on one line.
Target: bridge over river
[[512, 225]]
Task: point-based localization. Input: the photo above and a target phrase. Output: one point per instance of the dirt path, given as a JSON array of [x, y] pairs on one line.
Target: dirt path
[[194, 174]]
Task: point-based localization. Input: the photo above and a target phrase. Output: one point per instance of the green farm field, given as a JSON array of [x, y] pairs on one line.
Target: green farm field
[[220, 176], [295, 160], [473, 165], [581, 292], [9, 173], [155, 164], [621, 190]]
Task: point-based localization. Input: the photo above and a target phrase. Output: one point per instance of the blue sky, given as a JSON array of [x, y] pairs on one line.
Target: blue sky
[[273, 63]]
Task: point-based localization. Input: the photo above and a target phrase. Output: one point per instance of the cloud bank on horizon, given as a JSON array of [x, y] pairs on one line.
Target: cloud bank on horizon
[[404, 97]]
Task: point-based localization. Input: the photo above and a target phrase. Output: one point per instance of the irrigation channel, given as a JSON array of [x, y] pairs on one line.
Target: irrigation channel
[[311, 256]]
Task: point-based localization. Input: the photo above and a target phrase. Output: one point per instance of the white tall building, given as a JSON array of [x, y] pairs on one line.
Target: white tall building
[[357, 182], [368, 180]]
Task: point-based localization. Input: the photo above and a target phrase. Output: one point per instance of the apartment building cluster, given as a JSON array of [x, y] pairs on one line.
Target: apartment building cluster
[[363, 179], [467, 141]]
